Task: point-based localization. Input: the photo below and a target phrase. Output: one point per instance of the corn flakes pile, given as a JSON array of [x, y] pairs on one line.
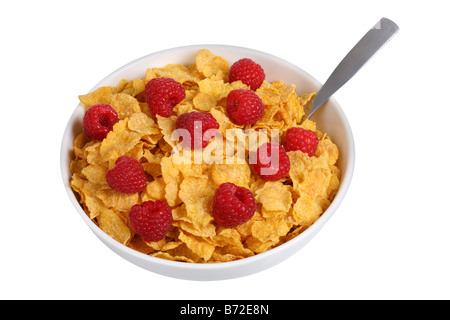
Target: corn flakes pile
[[284, 208]]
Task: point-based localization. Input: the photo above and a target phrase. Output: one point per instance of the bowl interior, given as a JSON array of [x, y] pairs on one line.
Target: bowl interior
[[330, 119]]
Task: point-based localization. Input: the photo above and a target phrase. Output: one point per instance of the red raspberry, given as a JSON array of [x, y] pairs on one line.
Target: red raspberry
[[272, 162], [151, 220], [99, 120], [163, 94], [244, 106], [301, 139], [233, 205], [127, 176], [196, 124], [248, 71]]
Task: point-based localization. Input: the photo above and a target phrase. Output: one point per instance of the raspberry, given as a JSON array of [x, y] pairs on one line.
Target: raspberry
[[197, 124], [244, 106], [127, 176], [301, 139], [99, 120], [163, 94], [151, 220], [233, 205], [272, 162], [248, 71]]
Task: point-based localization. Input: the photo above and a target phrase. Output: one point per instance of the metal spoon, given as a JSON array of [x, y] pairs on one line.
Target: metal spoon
[[373, 40]]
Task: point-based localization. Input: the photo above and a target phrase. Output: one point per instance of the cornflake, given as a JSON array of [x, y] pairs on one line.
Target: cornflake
[[284, 209]]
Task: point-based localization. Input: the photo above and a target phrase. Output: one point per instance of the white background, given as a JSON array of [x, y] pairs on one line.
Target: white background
[[388, 240]]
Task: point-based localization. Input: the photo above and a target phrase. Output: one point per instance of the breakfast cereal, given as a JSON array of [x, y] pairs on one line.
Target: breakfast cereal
[[187, 182]]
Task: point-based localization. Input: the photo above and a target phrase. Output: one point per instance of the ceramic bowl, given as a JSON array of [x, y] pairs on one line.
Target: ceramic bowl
[[330, 118]]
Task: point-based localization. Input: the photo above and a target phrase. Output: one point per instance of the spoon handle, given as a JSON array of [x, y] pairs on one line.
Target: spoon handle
[[372, 41]]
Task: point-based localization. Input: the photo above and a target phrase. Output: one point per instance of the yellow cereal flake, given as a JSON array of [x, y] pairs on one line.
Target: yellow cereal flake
[[309, 125], [92, 153], [227, 237], [119, 141], [223, 120], [305, 99], [310, 175], [150, 74], [298, 168], [120, 86], [258, 246], [118, 200], [100, 96], [167, 126], [95, 206], [236, 173], [190, 168], [269, 94], [204, 102], [77, 165], [187, 181], [294, 106], [212, 66], [274, 196], [326, 148], [125, 105], [205, 232], [334, 182], [197, 194], [95, 173], [134, 88], [197, 245], [78, 144], [172, 179], [180, 253], [218, 88], [110, 222], [184, 107], [306, 211], [177, 72], [268, 115], [230, 253], [316, 179], [214, 88], [155, 190], [137, 152], [152, 163], [139, 122], [270, 229]]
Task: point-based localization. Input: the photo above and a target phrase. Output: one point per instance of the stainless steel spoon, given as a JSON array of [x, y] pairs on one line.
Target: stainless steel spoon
[[373, 40]]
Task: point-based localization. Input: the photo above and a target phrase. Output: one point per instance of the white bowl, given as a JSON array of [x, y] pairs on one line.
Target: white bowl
[[330, 119]]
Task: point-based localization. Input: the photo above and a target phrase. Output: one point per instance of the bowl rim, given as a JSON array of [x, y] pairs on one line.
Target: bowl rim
[[311, 230]]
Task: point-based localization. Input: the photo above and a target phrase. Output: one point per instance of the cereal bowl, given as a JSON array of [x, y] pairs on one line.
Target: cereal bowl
[[330, 118]]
